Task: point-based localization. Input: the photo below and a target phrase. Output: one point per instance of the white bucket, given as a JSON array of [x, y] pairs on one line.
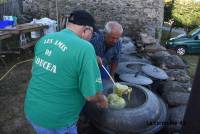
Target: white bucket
[[35, 34], [51, 29]]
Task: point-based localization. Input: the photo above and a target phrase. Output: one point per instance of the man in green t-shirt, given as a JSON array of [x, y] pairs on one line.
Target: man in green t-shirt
[[65, 75]]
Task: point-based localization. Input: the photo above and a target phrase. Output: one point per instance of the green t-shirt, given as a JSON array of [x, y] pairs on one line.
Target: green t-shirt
[[64, 72]]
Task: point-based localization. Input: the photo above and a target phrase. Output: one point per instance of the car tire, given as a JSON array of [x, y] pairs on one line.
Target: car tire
[[181, 50], [139, 119]]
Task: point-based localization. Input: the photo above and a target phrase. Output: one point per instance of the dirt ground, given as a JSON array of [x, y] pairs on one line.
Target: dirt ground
[[12, 92]]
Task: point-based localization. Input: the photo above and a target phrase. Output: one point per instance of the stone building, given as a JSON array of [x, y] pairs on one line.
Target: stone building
[[135, 15]]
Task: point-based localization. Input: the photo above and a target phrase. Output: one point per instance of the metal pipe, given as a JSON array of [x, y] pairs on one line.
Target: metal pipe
[[57, 15], [108, 74]]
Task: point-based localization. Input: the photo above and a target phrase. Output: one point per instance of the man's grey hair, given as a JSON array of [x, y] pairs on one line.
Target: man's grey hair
[[113, 25]]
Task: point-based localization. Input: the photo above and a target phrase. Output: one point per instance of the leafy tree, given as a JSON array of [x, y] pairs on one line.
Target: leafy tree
[[186, 13], [168, 9], [3, 1]]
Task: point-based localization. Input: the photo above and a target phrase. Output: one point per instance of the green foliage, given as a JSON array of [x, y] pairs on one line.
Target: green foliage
[[168, 10], [3, 1], [186, 13]]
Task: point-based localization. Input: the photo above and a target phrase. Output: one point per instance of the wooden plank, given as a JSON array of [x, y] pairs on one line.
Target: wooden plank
[[29, 44], [10, 52], [21, 29], [31, 27], [4, 35], [27, 27]]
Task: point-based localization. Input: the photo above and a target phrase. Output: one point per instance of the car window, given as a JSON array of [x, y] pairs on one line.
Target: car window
[[194, 31], [198, 37]]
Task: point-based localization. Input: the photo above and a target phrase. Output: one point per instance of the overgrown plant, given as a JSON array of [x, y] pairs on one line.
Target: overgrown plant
[[185, 13]]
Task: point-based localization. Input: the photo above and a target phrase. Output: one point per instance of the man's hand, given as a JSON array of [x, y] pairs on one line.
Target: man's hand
[[103, 103], [99, 60], [100, 99]]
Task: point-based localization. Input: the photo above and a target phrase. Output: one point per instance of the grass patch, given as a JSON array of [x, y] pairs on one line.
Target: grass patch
[[165, 36], [192, 61]]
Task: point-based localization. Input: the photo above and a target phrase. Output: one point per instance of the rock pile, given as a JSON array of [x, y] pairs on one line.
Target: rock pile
[[175, 91]]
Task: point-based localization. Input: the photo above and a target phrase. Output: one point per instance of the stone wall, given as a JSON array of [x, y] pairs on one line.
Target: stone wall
[[10, 8], [134, 15]]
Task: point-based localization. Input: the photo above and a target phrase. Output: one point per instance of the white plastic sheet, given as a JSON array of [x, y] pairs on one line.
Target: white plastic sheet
[[46, 21]]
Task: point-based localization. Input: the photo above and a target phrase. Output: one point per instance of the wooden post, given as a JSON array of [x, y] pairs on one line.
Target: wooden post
[[191, 122]]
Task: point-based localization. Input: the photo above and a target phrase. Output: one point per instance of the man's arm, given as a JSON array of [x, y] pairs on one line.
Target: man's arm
[[113, 67], [99, 60], [115, 60], [100, 99]]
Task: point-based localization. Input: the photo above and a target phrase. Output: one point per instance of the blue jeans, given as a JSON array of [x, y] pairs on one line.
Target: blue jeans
[[40, 130]]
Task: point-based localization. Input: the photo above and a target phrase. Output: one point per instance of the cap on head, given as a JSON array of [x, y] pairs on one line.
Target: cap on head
[[82, 17]]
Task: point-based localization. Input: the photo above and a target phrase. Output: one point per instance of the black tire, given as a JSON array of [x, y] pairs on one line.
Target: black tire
[[143, 118], [181, 50]]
